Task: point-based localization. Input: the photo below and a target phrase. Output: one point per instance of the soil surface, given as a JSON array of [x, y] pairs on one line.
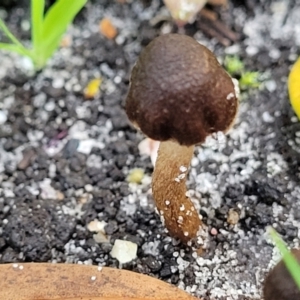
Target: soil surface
[[64, 160]]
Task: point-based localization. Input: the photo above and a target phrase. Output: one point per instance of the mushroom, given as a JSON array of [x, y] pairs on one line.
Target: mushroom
[[179, 95], [279, 283]]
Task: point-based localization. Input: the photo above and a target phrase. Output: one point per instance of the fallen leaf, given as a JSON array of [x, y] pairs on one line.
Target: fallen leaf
[[107, 29], [293, 86], [37, 281], [66, 41]]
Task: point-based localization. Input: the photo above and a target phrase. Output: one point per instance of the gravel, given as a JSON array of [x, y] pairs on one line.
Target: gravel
[[64, 160]]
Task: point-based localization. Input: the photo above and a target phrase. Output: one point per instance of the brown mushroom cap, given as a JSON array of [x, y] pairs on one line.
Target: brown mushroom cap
[[279, 283], [179, 91]]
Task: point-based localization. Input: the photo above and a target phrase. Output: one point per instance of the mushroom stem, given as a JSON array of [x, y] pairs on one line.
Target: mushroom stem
[[169, 190]]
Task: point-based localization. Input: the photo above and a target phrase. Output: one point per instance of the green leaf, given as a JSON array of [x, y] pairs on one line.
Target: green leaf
[[288, 258], [37, 17], [56, 21]]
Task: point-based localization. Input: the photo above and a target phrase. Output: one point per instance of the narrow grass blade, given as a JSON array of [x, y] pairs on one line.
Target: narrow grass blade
[[288, 258], [14, 48], [56, 21], [37, 17], [7, 32]]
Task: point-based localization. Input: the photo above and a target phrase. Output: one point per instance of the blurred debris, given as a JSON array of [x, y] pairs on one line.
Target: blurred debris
[[135, 175], [66, 41], [92, 88]]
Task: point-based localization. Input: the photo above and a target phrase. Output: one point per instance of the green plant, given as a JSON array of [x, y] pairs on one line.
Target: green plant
[[236, 68], [46, 30], [288, 258], [249, 80], [233, 65]]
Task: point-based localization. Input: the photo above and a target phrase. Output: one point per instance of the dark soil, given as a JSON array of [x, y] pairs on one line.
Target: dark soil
[[64, 160]]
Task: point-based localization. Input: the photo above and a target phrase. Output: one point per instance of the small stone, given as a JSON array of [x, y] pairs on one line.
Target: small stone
[[70, 148], [124, 251], [88, 188], [47, 191], [49, 106], [165, 271], [27, 159], [213, 231], [60, 196], [100, 238], [86, 146], [3, 117], [152, 263], [97, 226], [233, 217], [58, 83]]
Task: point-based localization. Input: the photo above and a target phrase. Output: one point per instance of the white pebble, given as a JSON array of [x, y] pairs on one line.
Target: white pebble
[[124, 251], [3, 117], [49, 106], [267, 118], [271, 85], [89, 188], [58, 83]]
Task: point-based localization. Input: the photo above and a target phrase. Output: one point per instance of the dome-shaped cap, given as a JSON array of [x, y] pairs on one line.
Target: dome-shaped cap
[[179, 91]]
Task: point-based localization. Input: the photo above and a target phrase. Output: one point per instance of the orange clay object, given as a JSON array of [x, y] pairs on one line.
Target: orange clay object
[[46, 281], [107, 28]]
